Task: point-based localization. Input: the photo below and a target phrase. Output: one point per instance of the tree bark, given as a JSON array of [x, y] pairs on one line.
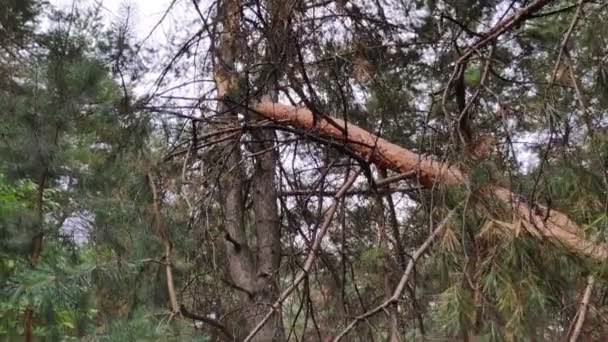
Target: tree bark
[[536, 219], [268, 236], [240, 259], [251, 269], [163, 235], [308, 264], [35, 250]]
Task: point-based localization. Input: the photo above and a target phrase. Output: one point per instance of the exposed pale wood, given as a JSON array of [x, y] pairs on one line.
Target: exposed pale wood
[[582, 312], [163, 234], [554, 225], [380, 151]]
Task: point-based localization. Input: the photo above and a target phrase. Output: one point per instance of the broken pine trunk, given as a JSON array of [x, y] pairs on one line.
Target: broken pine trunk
[[535, 218]]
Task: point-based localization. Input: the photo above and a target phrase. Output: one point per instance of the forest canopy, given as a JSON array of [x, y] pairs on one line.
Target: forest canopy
[[289, 170]]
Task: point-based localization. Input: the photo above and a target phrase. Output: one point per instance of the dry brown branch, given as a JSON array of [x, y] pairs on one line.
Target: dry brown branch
[[382, 152]]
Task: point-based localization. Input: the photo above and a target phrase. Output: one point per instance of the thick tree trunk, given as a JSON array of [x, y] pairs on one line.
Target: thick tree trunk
[[264, 189], [240, 260], [251, 268], [535, 218], [268, 236]]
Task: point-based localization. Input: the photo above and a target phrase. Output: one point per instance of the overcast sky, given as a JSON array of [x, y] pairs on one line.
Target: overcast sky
[[146, 14]]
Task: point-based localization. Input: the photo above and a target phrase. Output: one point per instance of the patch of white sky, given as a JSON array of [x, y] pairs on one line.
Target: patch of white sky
[[146, 14], [168, 23], [158, 25], [155, 24]]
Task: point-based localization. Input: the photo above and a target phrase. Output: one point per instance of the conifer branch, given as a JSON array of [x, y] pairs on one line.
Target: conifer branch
[[537, 219], [438, 231]]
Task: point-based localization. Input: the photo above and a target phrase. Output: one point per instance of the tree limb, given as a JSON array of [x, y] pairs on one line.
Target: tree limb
[[582, 311], [537, 219]]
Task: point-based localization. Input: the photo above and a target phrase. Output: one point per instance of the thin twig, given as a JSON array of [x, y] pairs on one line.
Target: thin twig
[[404, 278], [309, 259], [354, 192], [502, 27], [564, 43]]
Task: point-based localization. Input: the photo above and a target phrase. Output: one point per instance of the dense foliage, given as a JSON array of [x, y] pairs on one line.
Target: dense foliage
[[143, 198]]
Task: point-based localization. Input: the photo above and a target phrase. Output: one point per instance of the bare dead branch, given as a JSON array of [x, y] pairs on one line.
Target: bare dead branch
[[582, 311]]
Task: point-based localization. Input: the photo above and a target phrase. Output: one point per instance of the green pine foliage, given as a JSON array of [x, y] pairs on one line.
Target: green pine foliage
[[123, 186]]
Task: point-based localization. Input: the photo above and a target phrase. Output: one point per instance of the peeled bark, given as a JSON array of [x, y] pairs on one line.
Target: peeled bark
[[536, 219], [378, 150]]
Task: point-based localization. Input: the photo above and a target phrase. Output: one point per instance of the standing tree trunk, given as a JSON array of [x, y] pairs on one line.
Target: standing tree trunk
[[268, 238], [264, 189], [35, 250], [251, 269]]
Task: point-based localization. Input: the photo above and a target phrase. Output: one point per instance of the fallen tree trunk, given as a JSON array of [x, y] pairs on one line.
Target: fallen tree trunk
[[536, 219]]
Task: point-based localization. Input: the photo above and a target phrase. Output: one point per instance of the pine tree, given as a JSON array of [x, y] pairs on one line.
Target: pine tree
[[305, 170]]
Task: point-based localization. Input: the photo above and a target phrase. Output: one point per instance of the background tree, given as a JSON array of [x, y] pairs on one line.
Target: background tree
[[316, 171]]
